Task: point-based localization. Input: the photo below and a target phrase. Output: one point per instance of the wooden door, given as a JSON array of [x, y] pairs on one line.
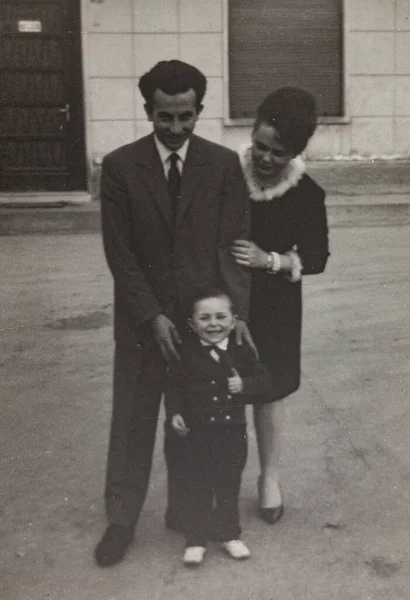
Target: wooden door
[[41, 96]]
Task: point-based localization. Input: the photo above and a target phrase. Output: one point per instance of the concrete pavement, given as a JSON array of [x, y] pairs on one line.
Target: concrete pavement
[[345, 467]]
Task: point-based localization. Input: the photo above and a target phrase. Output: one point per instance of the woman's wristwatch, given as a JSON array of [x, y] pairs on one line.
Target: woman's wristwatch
[[273, 263]]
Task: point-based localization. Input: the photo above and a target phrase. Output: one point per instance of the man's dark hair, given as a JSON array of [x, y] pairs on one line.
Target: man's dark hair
[[172, 77], [292, 112], [210, 292]]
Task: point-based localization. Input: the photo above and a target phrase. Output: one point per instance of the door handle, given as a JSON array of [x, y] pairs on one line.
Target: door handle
[[66, 111]]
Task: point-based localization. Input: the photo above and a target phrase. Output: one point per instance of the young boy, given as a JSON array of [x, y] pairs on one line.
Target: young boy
[[207, 393]]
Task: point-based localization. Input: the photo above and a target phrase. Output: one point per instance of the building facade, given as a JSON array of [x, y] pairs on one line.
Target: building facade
[[70, 70]]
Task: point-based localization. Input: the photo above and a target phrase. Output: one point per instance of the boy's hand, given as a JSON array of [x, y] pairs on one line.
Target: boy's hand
[[178, 425], [235, 383]]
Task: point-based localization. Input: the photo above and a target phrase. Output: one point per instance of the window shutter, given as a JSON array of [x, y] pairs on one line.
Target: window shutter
[[273, 43]]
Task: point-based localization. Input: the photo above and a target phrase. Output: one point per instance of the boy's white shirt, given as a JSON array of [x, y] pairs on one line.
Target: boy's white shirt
[[223, 345]]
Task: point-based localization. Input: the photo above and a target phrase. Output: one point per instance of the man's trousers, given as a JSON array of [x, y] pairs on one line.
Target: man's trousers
[[138, 384]]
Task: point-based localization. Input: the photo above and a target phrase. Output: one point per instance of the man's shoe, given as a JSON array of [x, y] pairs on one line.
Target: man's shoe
[[113, 545]]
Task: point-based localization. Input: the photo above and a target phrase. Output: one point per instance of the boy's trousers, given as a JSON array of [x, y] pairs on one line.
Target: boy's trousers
[[215, 459]]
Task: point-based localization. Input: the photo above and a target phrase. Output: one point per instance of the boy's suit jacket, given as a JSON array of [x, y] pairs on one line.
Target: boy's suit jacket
[[197, 384], [157, 268]]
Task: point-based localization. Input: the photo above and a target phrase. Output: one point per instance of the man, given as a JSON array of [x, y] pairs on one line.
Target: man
[[172, 203]]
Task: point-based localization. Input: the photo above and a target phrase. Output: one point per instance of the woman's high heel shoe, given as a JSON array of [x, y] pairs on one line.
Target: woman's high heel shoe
[[269, 514]]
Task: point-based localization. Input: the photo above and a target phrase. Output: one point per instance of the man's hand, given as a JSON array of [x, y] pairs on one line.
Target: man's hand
[[166, 336], [242, 334], [178, 425], [235, 383]]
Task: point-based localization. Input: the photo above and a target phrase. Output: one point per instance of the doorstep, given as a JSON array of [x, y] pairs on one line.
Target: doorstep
[[43, 199], [343, 211], [79, 218], [368, 211]]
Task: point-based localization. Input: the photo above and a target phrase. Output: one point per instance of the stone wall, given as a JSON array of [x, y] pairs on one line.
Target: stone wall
[[124, 38]]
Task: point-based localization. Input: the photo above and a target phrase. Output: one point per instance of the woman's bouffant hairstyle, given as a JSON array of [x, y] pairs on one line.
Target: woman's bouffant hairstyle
[[172, 77], [292, 111]]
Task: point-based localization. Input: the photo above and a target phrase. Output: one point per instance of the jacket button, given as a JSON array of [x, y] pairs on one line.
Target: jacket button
[[213, 382], [229, 397], [215, 398], [212, 419], [228, 417]]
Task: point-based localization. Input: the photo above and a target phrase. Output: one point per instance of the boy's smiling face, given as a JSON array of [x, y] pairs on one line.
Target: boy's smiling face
[[212, 319]]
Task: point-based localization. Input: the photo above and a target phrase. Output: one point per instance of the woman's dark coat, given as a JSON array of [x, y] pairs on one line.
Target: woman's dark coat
[[295, 220]]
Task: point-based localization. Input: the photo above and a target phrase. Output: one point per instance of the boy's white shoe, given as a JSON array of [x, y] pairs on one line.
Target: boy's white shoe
[[193, 556], [236, 549]]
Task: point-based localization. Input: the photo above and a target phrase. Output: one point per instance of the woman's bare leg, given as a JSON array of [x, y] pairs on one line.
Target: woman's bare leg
[[268, 420]]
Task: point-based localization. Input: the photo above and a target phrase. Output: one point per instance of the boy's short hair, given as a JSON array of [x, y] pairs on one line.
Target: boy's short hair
[[292, 112], [210, 292], [172, 77]]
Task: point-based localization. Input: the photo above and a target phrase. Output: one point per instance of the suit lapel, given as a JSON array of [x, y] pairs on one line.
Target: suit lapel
[[154, 177], [192, 176]]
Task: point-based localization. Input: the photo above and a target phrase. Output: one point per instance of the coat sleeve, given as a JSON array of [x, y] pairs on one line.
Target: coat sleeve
[[117, 233], [313, 247], [234, 224]]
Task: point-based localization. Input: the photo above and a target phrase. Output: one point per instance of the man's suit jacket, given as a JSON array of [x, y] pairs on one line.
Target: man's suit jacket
[[158, 267], [198, 388]]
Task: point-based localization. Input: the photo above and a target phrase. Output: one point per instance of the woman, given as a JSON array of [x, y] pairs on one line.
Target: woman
[[289, 237]]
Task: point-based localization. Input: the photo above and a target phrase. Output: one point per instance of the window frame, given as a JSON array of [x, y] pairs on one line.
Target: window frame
[[246, 122]]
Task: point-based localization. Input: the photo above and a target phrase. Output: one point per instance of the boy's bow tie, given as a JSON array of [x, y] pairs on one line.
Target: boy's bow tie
[[220, 356]]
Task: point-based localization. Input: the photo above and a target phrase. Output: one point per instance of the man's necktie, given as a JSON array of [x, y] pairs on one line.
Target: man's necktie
[[174, 182]]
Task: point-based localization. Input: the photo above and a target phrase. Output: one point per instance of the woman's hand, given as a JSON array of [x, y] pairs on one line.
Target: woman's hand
[[248, 254], [242, 334], [178, 425]]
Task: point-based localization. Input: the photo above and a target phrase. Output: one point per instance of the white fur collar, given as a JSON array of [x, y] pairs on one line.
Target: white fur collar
[[291, 176]]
